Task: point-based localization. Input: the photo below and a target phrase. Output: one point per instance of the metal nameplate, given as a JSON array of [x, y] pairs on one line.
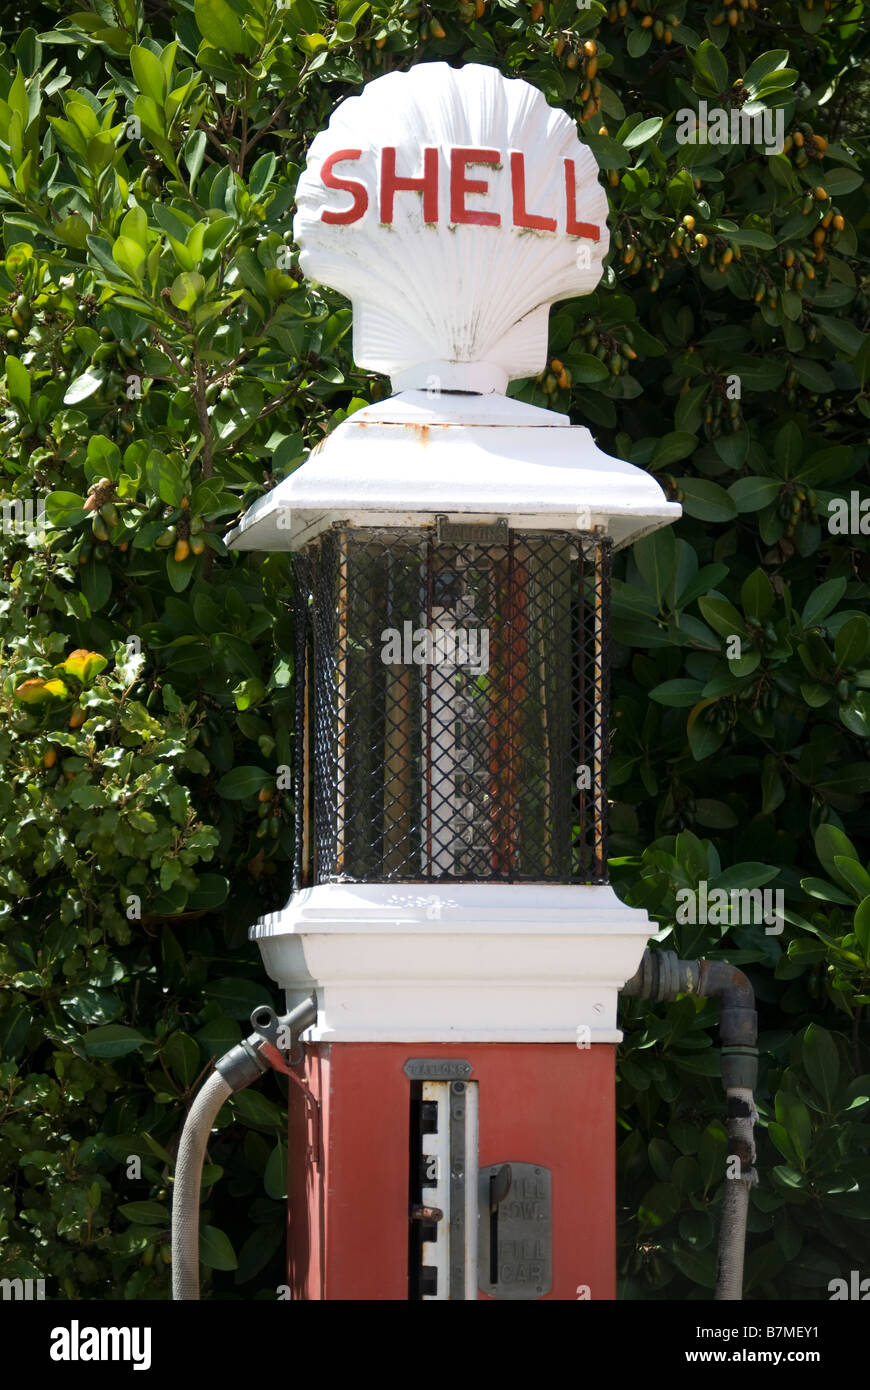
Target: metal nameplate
[[437, 1069], [472, 532], [515, 1230]]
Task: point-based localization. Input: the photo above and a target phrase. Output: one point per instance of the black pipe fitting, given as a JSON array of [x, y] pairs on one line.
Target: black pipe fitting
[[661, 976]]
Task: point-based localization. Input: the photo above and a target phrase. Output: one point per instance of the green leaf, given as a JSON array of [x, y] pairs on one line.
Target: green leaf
[[238, 997], [659, 1205], [772, 789], [827, 892], [149, 74], [182, 1057], [671, 448], [64, 508], [586, 369], [220, 26], [821, 1063], [704, 739], [853, 874], [753, 239], [638, 42], [275, 1175], [261, 175], [186, 289], [852, 641], [845, 336], [756, 595], [677, 693], [795, 1117], [17, 379], [698, 1266], [822, 601], [146, 1213], [788, 448], [856, 715], [862, 926], [258, 1250], [210, 892], [839, 182], [642, 132], [751, 494], [655, 557], [130, 256], [831, 842], [722, 616], [242, 782], [83, 387], [714, 815], [609, 153], [215, 1247], [709, 61], [750, 874], [113, 1040], [705, 500], [762, 66]]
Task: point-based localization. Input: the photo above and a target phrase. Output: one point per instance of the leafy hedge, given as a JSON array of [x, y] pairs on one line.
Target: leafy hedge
[[165, 361]]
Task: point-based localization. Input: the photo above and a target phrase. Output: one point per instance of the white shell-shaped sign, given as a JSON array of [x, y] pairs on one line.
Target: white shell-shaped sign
[[452, 206]]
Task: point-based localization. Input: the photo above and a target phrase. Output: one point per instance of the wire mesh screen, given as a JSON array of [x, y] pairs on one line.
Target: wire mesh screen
[[452, 701]]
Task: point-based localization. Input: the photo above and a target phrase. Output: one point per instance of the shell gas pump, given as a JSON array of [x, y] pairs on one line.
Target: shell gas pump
[[452, 952]]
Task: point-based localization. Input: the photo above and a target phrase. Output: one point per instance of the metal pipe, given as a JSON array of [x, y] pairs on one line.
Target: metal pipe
[[236, 1069], [661, 976]]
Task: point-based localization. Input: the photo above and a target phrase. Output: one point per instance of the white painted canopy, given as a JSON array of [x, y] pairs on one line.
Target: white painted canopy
[[404, 461]]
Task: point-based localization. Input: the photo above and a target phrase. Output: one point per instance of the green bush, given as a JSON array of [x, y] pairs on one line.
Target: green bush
[[165, 361]]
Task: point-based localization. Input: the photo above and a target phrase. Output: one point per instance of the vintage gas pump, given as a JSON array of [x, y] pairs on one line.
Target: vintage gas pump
[[452, 1129]]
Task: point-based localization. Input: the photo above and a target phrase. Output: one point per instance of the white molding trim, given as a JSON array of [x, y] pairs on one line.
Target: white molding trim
[[465, 962]]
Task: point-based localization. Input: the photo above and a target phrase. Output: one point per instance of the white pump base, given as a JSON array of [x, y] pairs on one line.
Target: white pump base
[[465, 962]]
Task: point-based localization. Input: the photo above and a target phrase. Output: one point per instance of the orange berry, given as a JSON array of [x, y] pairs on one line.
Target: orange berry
[[181, 551], [50, 758]]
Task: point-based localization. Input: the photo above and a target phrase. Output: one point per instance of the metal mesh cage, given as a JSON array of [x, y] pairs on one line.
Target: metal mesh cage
[[452, 700]]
